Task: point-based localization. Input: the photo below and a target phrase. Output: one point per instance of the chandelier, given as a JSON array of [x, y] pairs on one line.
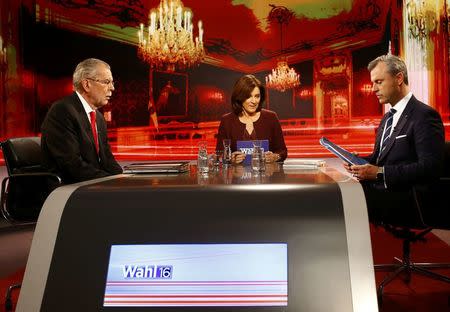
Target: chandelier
[[168, 41], [421, 18], [282, 77]]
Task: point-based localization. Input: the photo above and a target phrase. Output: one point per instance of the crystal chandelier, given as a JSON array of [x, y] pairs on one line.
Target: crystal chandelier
[[282, 77], [167, 43], [422, 18]]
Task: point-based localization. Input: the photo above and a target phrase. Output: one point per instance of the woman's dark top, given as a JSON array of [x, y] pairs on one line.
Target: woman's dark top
[[267, 127]]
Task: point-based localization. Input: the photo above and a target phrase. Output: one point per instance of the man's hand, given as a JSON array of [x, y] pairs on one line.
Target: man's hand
[[362, 172], [347, 167]]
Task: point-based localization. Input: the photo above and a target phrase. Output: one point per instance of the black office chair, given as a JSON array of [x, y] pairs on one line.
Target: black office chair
[[432, 212], [26, 187]]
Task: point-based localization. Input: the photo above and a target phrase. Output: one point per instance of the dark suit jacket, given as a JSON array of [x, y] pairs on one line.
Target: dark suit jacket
[[415, 151], [413, 158], [267, 127], [68, 146]]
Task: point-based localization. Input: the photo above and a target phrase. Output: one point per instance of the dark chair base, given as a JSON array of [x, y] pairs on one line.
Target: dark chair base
[[8, 299], [406, 266]]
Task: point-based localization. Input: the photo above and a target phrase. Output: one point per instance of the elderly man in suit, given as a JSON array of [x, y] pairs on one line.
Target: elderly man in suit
[[74, 140], [409, 147]]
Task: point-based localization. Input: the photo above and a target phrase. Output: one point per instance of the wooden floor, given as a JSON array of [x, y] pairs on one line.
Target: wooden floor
[[15, 243]]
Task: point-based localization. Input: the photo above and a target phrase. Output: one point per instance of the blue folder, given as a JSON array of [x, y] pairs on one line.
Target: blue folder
[[247, 148], [342, 153]]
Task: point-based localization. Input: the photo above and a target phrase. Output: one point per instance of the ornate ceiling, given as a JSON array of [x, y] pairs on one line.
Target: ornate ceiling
[[238, 34]]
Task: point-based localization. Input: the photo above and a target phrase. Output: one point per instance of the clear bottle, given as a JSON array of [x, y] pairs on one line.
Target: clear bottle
[[202, 158]]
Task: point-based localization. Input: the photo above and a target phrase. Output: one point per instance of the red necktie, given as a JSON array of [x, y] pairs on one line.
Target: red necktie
[[94, 129]]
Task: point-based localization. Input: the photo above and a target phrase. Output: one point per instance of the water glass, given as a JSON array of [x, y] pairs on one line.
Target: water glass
[[215, 158], [257, 143], [202, 158], [226, 151], [258, 159]]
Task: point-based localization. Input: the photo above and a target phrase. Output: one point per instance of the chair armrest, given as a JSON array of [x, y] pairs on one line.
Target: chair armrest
[[35, 175], [28, 169], [23, 194]]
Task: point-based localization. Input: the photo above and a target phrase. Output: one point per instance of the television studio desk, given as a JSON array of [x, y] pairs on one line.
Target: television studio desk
[[314, 220]]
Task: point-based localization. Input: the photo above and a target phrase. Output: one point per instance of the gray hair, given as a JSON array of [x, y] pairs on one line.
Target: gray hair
[[394, 65], [87, 69]]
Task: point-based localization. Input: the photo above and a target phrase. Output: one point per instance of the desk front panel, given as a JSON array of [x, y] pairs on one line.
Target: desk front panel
[[303, 209]]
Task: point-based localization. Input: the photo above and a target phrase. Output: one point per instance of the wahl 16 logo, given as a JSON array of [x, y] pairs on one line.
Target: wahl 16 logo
[[147, 271]]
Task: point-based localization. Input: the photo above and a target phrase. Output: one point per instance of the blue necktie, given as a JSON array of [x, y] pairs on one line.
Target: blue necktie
[[387, 130]]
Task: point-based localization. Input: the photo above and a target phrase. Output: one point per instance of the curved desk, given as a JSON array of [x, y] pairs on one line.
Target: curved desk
[[320, 215]]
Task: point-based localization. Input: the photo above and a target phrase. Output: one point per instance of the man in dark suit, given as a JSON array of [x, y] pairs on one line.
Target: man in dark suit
[[409, 147], [72, 146]]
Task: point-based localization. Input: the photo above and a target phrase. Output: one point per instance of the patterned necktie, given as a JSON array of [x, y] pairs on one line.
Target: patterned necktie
[[387, 130], [94, 129]]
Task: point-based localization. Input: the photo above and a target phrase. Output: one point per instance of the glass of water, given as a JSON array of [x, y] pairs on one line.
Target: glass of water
[[215, 158], [257, 143], [202, 158], [226, 151], [258, 159]]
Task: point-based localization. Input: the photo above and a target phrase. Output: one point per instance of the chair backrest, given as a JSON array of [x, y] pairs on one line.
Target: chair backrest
[[435, 205], [28, 184], [22, 155]]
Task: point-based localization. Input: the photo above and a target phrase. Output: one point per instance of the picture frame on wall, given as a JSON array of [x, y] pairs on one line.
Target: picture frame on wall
[[281, 102], [303, 102], [169, 93]]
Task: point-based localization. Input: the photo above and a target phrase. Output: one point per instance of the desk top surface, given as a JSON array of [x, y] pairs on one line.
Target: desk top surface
[[275, 173]]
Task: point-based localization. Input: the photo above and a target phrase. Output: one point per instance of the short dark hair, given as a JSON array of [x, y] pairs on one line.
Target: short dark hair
[[394, 65], [242, 90]]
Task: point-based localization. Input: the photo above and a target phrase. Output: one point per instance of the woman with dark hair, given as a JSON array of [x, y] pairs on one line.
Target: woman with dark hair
[[249, 121]]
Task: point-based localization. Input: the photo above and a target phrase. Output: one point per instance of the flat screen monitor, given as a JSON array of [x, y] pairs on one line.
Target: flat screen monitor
[[197, 275]]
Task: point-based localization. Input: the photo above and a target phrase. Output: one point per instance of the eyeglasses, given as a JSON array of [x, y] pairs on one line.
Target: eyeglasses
[[105, 82]]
